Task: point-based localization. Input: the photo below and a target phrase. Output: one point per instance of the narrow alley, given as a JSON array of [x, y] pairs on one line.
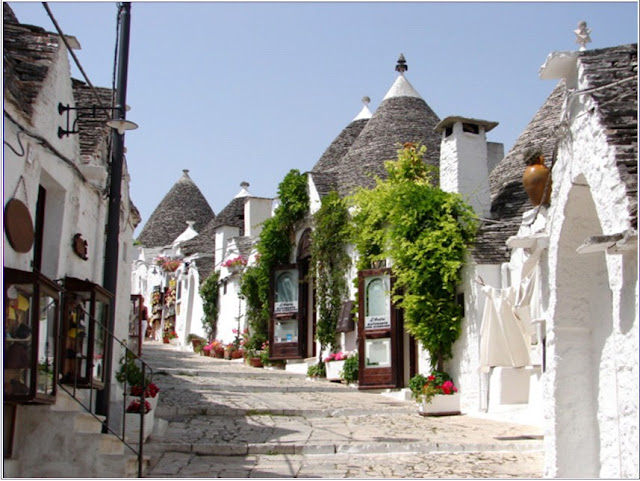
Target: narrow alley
[[220, 418]]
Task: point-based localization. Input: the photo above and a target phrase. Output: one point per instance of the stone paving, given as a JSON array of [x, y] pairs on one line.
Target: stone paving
[[226, 419]]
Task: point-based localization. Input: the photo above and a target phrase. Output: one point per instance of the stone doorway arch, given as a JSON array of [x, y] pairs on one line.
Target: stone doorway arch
[[578, 359]]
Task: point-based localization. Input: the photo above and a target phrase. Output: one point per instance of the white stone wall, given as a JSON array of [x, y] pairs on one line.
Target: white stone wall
[[464, 366], [591, 384]]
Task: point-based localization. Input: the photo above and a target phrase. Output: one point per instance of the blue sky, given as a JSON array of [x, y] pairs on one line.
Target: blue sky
[[237, 91]]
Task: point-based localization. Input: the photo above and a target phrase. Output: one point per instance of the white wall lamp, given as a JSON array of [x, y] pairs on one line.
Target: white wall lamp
[[121, 125]]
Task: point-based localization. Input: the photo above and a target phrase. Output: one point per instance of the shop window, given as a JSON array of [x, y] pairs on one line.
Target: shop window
[[84, 333], [30, 326]]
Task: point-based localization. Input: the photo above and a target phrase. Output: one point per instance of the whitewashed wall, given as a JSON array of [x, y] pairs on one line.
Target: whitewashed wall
[[74, 203], [591, 426], [464, 366]]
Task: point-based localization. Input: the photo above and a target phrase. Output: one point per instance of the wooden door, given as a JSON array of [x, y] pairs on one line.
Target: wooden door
[[379, 332]]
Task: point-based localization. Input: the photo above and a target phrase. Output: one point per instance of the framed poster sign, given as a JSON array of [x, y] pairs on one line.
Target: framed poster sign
[[377, 352], [285, 331], [286, 293], [377, 303]]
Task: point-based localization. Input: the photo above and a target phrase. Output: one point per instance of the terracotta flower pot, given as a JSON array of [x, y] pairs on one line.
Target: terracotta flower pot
[[237, 354], [165, 340], [255, 362], [537, 182]]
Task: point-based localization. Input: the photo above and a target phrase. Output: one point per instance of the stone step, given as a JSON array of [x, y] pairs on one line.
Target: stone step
[[122, 466], [65, 402], [245, 449], [102, 443], [172, 411], [85, 422]]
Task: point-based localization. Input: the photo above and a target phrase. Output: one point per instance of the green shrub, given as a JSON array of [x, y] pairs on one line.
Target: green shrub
[[349, 371], [317, 370]]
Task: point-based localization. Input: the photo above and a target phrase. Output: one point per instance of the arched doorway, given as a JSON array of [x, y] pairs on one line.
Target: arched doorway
[[582, 323]]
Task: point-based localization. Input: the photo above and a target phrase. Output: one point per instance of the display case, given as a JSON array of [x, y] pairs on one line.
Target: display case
[[137, 327], [31, 315], [286, 330], [380, 332], [84, 333]]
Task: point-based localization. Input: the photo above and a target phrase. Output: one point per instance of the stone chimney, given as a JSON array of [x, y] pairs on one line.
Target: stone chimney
[[466, 160]]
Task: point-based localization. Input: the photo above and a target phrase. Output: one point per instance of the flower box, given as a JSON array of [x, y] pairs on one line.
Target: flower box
[[132, 426], [333, 370], [174, 341], [441, 405]]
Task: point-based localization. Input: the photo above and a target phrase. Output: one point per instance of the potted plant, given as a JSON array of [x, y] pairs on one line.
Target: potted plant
[[436, 394], [172, 336], [334, 363], [316, 371], [252, 357], [196, 341]]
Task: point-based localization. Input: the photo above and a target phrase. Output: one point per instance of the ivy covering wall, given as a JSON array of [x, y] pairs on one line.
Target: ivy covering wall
[[425, 232], [209, 294], [331, 260], [274, 248]]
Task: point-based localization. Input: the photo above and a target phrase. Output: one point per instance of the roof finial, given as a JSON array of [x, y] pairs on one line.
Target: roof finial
[[402, 66], [582, 35], [366, 100], [244, 184]]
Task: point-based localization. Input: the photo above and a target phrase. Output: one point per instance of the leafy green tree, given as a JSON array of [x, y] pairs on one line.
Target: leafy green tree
[[426, 233]]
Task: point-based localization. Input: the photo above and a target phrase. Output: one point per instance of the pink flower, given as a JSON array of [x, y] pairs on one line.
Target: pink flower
[[448, 387]]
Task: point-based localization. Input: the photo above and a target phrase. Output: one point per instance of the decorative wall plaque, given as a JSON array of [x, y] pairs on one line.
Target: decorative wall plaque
[[18, 225], [80, 247]]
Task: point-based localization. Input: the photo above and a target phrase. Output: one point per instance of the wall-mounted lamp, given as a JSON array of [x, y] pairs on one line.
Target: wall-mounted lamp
[[121, 125]]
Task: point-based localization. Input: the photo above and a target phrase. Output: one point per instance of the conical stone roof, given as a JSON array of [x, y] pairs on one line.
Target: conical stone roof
[[184, 202], [403, 116], [331, 157]]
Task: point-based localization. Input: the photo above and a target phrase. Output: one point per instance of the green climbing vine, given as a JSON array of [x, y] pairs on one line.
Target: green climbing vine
[[426, 233], [331, 259], [274, 248], [209, 294]]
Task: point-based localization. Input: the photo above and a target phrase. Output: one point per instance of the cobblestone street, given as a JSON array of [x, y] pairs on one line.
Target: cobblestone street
[[219, 418]]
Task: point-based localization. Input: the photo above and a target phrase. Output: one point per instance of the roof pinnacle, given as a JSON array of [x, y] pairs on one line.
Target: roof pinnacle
[[402, 66]]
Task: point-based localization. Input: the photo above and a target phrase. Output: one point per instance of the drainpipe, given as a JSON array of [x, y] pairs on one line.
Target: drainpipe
[[110, 280]]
